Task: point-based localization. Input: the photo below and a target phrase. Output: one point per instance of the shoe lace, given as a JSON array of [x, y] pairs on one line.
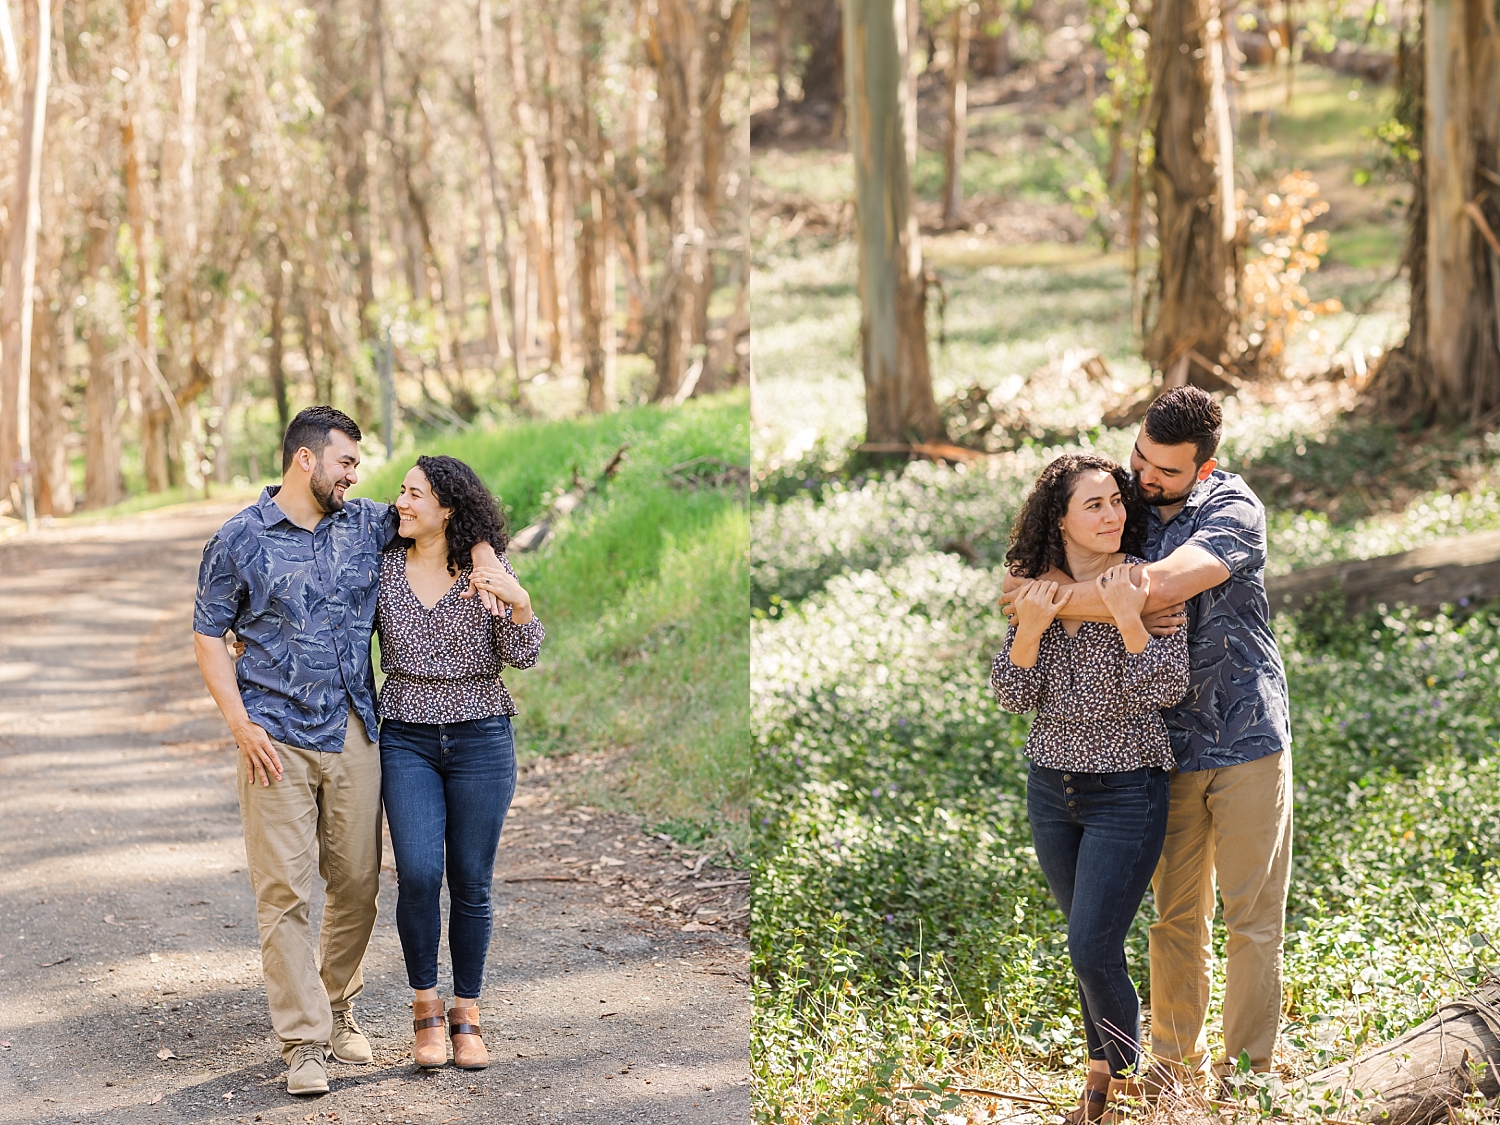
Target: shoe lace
[[306, 1052], [344, 1018]]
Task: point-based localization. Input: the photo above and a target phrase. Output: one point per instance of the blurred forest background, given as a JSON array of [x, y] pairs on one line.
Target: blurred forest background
[[431, 215], [988, 232]]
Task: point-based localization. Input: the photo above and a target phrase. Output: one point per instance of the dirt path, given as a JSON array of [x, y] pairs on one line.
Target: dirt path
[[618, 989]]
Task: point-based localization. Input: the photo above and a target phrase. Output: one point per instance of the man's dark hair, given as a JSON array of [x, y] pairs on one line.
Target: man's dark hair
[[310, 430], [1186, 414]]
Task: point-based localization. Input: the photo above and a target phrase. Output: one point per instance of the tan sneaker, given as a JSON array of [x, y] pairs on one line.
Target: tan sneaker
[[348, 1043], [307, 1072]]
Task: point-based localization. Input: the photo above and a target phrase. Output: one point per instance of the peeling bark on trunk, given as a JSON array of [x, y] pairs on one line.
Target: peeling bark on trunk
[[899, 403], [1193, 176], [1462, 134], [18, 302], [1448, 369]]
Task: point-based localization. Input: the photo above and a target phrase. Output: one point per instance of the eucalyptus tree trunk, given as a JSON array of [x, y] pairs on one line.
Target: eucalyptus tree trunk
[[1448, 368], [139, 212], [559, 167], [675, 46], [52, 327], [958, 119], [1192, 174], [899, 403], [1461, 158], [533, 211], [494, 184], [180, 366], [104, 395], [18, 301], [596, 259]]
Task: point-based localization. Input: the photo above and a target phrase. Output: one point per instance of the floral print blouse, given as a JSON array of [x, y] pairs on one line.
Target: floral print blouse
[[442, 665], [1097, 704]]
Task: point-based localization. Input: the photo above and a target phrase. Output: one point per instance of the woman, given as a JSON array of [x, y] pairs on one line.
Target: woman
[[1096, 791], [447, 757]]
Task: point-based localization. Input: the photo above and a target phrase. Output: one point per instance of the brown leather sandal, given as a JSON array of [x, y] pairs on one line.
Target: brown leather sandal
[[430, 1049], [469, 1052], [1093, 1099]]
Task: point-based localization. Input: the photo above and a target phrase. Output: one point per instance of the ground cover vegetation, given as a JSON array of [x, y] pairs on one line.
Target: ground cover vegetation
[[904, 938], [642, 587]]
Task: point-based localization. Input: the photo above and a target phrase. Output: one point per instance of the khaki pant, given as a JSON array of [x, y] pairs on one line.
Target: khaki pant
[[331, 803], [1234, 823]]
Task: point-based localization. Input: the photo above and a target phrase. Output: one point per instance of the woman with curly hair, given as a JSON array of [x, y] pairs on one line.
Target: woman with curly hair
[[447, 756], [1096, 792]]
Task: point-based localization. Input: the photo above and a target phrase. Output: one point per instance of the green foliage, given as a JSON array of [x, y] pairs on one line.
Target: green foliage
[[642, 590]]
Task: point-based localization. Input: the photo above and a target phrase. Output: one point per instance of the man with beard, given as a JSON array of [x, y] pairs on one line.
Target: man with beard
[[1230, 820], [295, 576]]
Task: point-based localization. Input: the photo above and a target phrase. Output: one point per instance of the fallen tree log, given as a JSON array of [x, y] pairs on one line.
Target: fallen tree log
[[1448, 571], [1418, 1078]]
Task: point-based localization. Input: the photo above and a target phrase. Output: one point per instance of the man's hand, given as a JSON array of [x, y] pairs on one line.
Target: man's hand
[[1165, 622], [258, 751]]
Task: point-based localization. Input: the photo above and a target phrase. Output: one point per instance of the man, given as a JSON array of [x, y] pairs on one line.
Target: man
[[295, 576], [1230, 819]]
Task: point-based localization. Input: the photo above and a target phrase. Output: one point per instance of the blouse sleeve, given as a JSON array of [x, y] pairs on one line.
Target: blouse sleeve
[[1016, 689], [519, 645], [1157, 676]]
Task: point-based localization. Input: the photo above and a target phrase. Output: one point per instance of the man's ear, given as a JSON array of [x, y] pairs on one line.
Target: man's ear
[[305, 460], [1207, 467]]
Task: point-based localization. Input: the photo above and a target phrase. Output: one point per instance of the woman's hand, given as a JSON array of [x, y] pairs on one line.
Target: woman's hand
[[1125, 598], [1037, 606], [503, 584]]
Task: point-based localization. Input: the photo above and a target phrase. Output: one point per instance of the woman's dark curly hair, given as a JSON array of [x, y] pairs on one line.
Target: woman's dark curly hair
[[1036, 539], [476, 517]]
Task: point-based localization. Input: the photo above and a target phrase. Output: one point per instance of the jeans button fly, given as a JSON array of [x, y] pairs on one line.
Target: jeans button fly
[[1070, 789]]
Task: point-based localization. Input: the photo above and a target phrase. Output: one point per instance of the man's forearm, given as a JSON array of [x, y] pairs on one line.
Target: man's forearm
[[217, 667]]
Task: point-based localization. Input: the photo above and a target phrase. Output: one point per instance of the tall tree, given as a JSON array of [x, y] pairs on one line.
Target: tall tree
[[958, 116], [1461, 134], [676, 47], [17, 304], [104, 397], [1448, 368], [1193, 177], [899, 403]]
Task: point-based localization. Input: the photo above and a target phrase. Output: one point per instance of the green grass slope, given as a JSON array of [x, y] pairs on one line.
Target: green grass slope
[[643, 590]]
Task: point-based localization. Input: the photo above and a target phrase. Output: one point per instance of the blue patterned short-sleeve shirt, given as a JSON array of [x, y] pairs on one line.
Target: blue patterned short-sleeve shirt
[[1236, 708], [304, 604]]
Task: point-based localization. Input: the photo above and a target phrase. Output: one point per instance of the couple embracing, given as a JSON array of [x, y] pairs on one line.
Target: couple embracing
[[1161, 751], [303, 577]]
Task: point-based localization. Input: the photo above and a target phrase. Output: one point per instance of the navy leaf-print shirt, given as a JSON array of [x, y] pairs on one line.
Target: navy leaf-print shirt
[[1236, 708], [304, 604]]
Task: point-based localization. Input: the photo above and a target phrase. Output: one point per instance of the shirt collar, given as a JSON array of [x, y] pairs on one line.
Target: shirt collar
[[1195, 498], [271, 513]]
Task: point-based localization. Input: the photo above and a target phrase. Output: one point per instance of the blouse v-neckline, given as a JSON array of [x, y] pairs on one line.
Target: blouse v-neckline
[[406, 581]]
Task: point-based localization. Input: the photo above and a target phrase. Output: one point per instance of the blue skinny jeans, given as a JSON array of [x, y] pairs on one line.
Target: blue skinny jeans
[[1098, 837], [446, 785]]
